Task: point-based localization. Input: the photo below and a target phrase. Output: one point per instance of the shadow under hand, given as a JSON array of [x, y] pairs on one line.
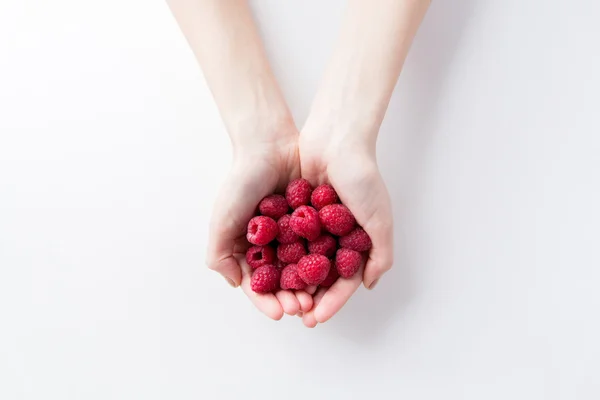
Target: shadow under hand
[[403, 143]]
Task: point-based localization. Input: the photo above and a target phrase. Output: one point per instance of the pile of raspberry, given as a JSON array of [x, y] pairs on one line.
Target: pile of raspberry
[[316, 244]]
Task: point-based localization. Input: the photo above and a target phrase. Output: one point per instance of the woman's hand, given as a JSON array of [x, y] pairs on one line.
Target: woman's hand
[[226, 43], [337, 144], [350, 166], [260, 167]]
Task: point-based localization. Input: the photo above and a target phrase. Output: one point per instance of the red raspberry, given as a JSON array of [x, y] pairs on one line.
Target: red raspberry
[[274, 206], [261, 230], [286, 234], [290, 278], [347, 262], [357, 240], [313, 268], [332, 276], [257, 256], [337, 219], [323, 195], [265, 279], [297, 193], [324, 245], [291, 253], [305, 222]]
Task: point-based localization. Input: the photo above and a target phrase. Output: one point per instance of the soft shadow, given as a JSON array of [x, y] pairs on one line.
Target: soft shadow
[[408, 128]]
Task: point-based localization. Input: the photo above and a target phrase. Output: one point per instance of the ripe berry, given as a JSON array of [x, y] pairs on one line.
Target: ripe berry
[[337, 219], [274, 206], [313, 268], [357, 240], [324, 245], [291, 253], [257, 256], [305, 222], [347, 262], [286, 234], [261, 230], [298, 192], [265, 279], [323, 195], [290, 278]]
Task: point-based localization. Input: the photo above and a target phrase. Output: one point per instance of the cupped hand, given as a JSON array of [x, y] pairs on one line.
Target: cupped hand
[[259, 169], [351, 168]]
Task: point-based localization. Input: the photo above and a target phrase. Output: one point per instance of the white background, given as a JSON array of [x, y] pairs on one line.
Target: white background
[[111, 151]]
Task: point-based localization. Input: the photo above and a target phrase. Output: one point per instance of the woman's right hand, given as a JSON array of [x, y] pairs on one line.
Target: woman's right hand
[[346, 160]]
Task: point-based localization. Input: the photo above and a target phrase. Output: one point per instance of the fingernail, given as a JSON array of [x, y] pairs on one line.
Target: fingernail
[[231, 283], [373, 284]]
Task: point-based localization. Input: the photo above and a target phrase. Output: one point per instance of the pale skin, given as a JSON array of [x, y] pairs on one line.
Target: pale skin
[[336, 144]]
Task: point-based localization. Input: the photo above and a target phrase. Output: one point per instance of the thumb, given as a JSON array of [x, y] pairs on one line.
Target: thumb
[[381, 256], [229, 268], [222, 245], [226, 233]]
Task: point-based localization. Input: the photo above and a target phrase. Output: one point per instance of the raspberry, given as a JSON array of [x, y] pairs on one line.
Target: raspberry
[[347, 262], [297, 193], [336, 219], [265, 279], [274, 206], [290, 278], [313, 268], [286, 234], [291, 253], [332, 276], [257, 256], [305, 222], [357, 240], [324, 245], [322, 196], [261, 230]]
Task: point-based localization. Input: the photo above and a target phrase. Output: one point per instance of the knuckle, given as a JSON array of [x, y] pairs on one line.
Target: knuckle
[[212, 265], [387, 266], [384, 265], [388, 262]]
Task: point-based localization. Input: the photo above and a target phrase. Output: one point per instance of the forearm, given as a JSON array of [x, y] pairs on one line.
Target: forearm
[[225, 41], [362, 73]]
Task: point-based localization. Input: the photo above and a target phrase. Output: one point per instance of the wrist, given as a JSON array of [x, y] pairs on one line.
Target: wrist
[[349, 109], [257, 113], [335, 137], [345, 126], [262, 132]]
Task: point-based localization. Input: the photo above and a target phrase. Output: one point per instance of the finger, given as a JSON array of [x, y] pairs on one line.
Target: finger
[[312, 172], [380, 261], [288, 301], [308, 318], [222, 245], [266, 303], [337, 296], [381, 255], [305, 300], [229, 268], [310, 290], [234, 206]]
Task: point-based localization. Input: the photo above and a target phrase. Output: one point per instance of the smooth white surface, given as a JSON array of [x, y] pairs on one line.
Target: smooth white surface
[[111, 151]]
